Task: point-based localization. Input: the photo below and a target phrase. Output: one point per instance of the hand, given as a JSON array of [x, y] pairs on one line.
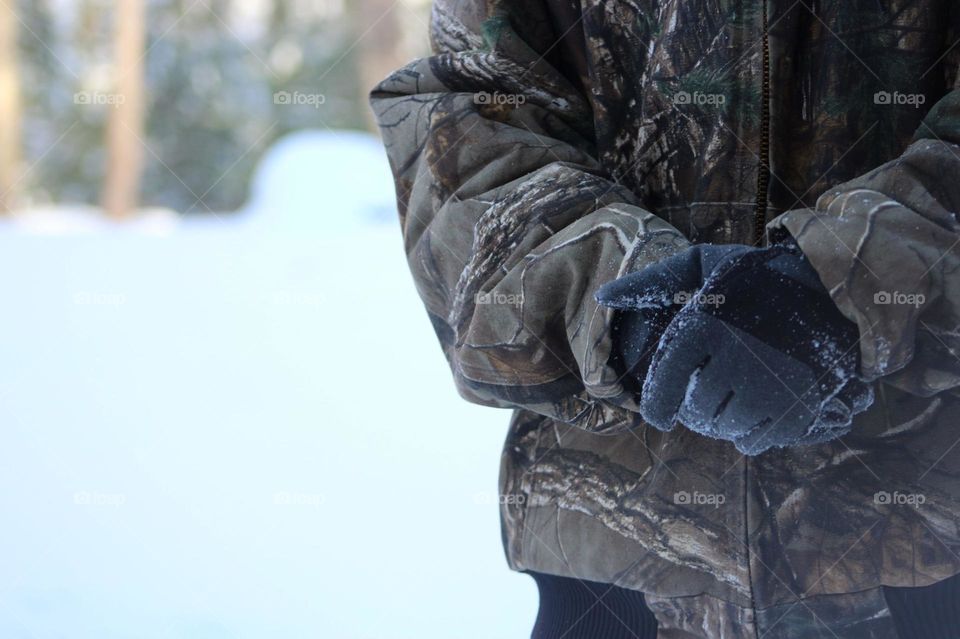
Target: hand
[[648, 300], [760, 357]]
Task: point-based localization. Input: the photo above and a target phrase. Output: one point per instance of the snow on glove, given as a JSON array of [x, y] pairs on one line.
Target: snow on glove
[[760, 356], [647, 301]]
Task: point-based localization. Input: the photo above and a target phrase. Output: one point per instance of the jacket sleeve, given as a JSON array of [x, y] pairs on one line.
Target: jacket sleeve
[[510, 224], [887, 245]]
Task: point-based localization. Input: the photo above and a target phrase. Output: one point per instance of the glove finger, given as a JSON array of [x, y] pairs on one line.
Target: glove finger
[[757, 440], [835, 421], [739, 389], [775, 422], [857, 395], [837, 413], [673, 371], [706, 404], [835, 418], [706, 399], [762, 439], [791, 427], [833, 413]]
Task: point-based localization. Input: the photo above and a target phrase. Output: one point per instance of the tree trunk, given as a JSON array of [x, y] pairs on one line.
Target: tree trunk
[[10, 114], [125, 128], [378, 27]]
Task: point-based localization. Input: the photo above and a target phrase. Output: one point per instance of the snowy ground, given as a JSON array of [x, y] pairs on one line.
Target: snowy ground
[[241, 426]]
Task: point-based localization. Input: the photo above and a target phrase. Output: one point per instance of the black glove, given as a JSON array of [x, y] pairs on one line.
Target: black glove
[[759, 356], [649, 299]]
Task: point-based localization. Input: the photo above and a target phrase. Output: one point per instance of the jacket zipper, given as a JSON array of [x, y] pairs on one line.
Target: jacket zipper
[[763, 178], [760, 222]]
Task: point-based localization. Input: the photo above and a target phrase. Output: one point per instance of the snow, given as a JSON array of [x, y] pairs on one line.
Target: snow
[[75, 220], [356, 189], [241, 426]]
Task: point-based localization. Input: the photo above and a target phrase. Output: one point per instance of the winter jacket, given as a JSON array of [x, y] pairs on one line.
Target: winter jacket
[[549, 146]]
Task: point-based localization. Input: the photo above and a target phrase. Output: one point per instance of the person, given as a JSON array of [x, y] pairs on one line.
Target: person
[[708, 252]]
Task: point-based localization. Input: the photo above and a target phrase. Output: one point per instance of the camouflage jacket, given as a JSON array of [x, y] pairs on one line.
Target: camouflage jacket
[[549, 146]]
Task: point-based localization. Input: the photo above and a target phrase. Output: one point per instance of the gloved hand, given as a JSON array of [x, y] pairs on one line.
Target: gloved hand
[[759, 356], [649, 299]]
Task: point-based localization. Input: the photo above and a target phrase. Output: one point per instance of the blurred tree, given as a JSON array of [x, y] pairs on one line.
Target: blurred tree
[[212, 72], [10, 120], [377, 25], [125, 126], [210, 112]]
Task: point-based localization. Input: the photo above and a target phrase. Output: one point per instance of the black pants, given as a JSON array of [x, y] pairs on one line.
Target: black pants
[[575, 609]]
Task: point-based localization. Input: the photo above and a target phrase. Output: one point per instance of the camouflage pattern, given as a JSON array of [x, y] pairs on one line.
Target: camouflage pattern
[[550, 146]]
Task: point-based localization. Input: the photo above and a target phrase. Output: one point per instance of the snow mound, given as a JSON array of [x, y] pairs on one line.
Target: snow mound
[[323, 180]]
